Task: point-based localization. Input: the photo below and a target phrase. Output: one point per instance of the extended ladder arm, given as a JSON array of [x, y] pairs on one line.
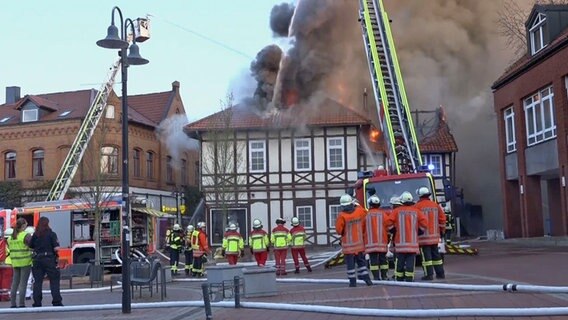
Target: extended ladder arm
[[390, 96], [86, 131]]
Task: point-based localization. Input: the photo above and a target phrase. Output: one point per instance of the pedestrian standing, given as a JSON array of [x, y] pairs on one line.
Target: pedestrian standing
[[21, 257], [45, 245], [233, 244], [376, 244], [259, 243], [431, 257], [406, 221], [188, 250], [200, 245], [350, 225], [298, 234], [280, 239]]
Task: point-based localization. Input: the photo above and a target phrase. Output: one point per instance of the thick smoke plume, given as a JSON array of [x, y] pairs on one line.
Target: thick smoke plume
[[170, 132]]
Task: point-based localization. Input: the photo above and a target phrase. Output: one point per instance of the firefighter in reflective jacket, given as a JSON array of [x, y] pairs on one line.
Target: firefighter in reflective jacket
[[298, 234], [175, 242], [431, 258], [233, 244], [280, 239], [259, 243], [449, 225], [200, 246], [350, 224], [407, 222], [377, 238], [188, 251]]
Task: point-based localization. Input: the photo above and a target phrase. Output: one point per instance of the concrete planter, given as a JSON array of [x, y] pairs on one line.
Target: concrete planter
[[260, 281], [218, 274]]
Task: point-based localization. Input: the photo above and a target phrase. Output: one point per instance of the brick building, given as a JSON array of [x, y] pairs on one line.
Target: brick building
[[531, 102], [37, 131]]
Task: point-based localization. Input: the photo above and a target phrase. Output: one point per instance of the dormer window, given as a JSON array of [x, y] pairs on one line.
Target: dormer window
[[109, 112], [29, 115], [538, 34]]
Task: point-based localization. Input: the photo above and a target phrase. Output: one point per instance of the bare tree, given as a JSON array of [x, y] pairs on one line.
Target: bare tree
[[223, 157], [511, 22]]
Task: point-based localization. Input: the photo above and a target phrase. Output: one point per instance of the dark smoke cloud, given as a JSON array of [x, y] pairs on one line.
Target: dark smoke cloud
[[265, 70], [280, 18]]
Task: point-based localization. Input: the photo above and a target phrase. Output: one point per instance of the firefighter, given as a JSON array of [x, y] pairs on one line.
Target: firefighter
[[200, 246], [6, 271], [233, 244], [280, 239], [188, 251], [259, 243], [350, 224], [406, 221], [175, 242], [298, 235], [431, 258], [449, 225], [376, 244]]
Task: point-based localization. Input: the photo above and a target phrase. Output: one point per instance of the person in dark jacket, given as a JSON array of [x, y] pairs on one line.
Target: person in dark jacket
[[45, 245]]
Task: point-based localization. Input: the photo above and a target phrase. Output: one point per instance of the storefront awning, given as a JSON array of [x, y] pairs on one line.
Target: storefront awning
[[152, 212]]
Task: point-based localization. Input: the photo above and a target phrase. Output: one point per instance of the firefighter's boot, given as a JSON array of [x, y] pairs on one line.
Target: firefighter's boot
[[367, 280], [399, 278], [309, 268], [376, 275], [409, 279], [384, 275], [352, 282], [187, 272], [297, 270]]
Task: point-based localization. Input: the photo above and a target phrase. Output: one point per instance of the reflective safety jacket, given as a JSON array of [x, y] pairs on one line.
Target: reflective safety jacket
[[175, 240], [407, 220], [233, 242], [187, 241], [352, 228], [199, 243], [377, 234], [20, 253], [280, 237], [258, 240], [298, 234], [436, 221]]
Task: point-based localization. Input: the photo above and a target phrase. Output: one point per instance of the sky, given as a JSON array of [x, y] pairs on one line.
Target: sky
[[49, 46]]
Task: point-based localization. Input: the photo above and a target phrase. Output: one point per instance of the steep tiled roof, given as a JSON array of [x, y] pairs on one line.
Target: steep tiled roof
[[327, 113], [151, 105]]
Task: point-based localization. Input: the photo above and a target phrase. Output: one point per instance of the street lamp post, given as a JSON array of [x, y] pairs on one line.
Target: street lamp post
[[114, 41]]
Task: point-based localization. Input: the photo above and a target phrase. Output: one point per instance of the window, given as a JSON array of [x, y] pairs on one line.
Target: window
[[109, 114], [37, 163], [29, 115], [150, 165], [10, 165], [335, 153], [109, 160], [304, 214], [303, 154], [137, 170], [434, 163], [257, 156], [169, 170], [538, 33], [183, 172], [539, 113], [334, 211], [510, 130]]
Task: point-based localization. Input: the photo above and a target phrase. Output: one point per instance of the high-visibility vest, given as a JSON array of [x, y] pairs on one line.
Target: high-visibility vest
[[352, 228], [298, 235], [195, 245], [258, 240], [407, 220], [175, 240], [436, 221], [377, 235], [233, 242], [280, 237], [20, 253]]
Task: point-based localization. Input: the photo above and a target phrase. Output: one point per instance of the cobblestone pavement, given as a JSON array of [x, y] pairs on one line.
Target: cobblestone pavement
[[498, 263]]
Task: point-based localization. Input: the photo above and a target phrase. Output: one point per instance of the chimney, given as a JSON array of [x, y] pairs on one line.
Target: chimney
[[12, 94], [175, 86]]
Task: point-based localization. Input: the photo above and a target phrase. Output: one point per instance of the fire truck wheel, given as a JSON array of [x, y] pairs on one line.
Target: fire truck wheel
[[85, 257]]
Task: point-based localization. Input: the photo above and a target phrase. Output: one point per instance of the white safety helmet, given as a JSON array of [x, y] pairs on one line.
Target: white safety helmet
[[374, 200], [232, 227], [406, 197], [295, 221], [200, 225], [346, 200], [30, 230], [177, 227], [423, 191], [257, 224], [395, 201], [190, 228], [8, 232]]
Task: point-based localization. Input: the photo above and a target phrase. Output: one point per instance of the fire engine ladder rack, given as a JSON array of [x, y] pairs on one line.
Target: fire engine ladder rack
[[86, 131], [396, 119]]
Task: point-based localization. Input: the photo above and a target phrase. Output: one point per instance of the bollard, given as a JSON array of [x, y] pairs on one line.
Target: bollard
[[237, 292], [206, 301]]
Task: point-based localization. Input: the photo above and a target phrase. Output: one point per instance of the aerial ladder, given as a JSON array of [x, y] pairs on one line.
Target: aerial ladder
[[390, 96], [86, 131]]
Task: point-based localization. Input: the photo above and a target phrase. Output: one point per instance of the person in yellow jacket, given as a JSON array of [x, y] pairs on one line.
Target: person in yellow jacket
[[188, 250], [259, 243], [6, 272], [21, 257], [280, 239], [175, 242], [233, 244]]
